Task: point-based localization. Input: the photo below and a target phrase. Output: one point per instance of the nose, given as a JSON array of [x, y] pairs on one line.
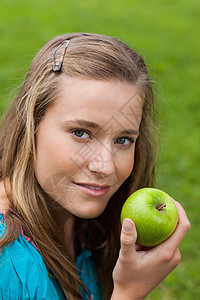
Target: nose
[[102, 162]]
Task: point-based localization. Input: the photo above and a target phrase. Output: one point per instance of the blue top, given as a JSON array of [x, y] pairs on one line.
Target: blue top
[[23, 273]]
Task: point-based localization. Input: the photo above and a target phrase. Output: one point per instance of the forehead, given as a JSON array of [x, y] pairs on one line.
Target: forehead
[[99, 100]]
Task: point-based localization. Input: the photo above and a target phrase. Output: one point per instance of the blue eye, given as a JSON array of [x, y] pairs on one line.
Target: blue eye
[[80, 133], [125, 141]]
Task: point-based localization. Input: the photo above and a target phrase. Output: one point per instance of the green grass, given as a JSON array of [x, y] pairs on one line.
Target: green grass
[[167, 35]]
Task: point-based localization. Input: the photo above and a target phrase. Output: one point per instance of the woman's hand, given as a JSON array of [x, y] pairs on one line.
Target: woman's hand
[[137, 273]]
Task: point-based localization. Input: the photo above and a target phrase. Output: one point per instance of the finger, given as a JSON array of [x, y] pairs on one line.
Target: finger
[[177, 257], [128, 239], [172, 260], [138, 247], [182, 228]]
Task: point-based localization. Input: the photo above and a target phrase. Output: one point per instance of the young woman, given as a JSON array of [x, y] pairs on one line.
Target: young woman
[[77, 140]]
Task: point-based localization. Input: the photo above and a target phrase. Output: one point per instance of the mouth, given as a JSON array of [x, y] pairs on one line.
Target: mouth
[[93, 190]]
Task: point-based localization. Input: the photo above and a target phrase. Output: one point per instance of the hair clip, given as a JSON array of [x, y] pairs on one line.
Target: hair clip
[[58, 67]]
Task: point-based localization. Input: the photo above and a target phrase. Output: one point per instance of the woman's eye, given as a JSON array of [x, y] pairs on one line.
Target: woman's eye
[[80, 133], [125, 141]]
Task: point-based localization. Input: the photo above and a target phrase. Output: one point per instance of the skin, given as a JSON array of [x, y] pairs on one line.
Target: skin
[[61, 163], [68, 153], [137, 273]]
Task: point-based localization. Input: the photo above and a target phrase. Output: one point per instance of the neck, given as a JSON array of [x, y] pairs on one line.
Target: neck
[[65, 221], [68, 231]]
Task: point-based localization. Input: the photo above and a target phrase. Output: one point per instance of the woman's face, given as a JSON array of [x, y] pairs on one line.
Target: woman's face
[[85, 144]]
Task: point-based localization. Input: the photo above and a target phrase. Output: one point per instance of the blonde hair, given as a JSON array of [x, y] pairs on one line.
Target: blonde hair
[[91, 56]]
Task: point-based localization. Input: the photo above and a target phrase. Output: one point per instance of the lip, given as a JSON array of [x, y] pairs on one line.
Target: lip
[[101, 191]]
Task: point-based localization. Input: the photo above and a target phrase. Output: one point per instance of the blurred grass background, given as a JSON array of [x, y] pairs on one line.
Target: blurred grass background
[[166, 33]]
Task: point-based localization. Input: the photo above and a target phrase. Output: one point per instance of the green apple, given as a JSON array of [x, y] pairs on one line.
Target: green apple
[[154, 213]]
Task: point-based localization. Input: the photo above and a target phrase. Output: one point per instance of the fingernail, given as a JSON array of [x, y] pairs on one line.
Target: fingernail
[[127, 225]]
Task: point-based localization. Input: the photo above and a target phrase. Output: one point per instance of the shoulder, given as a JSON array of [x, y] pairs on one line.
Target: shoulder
[[23, 273]]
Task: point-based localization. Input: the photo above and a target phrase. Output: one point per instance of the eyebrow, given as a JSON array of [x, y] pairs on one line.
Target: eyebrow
[[94, 125]]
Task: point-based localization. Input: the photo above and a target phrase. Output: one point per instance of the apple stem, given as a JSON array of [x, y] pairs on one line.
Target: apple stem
[[161, 207]]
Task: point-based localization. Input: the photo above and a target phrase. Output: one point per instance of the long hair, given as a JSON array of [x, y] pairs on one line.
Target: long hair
[[90, 56]]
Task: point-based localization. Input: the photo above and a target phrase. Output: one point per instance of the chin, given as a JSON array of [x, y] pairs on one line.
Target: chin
[[90, 214]]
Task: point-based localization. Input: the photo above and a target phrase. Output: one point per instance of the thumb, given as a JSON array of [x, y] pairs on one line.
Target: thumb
[[128, 237]]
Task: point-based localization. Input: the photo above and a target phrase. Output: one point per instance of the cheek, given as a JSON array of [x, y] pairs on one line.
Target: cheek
[[125, 166], [58, 186], [56, 161]]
